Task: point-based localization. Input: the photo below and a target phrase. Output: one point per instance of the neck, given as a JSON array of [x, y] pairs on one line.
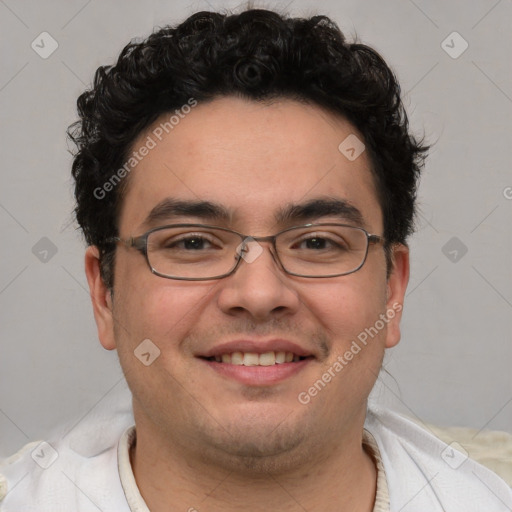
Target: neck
[[340, 476]]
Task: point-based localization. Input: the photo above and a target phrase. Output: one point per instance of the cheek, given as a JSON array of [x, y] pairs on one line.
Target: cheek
[[150, 307], [348, 311], [349, 306], [174, 310], [162, 312]]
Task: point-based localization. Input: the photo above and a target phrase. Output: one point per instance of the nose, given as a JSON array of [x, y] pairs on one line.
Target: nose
[[259, 288]]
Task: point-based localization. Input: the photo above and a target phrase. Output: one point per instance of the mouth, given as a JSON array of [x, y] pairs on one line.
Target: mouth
[[270, 358], [257, 363]]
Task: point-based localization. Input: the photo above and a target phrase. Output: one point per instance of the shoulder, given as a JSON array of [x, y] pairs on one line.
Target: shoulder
[[44, 474], [424, 473], [78, 470]]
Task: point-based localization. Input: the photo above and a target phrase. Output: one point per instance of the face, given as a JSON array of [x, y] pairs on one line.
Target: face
[[253, 161]]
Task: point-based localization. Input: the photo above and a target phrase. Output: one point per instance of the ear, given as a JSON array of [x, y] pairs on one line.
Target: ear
[[101, 299], [396, 286]]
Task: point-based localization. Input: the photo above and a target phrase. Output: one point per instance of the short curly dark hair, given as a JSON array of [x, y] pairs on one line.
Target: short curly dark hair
[[256, 54]]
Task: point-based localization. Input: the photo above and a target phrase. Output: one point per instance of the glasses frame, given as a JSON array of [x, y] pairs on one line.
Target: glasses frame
[[140, 243]]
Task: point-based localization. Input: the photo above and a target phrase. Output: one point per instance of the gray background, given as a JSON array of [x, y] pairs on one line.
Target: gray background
[[453, 366]]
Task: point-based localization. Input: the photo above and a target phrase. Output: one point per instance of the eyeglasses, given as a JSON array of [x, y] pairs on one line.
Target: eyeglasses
[[198, 252]]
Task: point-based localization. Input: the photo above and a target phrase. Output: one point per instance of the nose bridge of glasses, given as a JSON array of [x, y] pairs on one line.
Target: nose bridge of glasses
[[250, 248]]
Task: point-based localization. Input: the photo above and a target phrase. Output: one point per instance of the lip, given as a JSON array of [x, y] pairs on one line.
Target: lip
[[257, 346], [258, 375]]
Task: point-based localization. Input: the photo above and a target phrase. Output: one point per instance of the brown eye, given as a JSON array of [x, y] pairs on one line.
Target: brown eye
[[191, 243]]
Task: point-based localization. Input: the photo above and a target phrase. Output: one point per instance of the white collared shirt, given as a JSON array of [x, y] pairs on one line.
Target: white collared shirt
[[89, 470]]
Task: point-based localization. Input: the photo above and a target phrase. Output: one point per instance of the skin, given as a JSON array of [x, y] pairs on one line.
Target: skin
[[209, 442]]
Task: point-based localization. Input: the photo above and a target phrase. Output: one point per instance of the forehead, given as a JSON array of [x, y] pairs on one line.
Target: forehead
[[255, 160]]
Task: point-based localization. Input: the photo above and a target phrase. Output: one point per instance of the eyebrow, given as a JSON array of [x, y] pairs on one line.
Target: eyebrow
[[169, 208], [210, 211], [316, 208]]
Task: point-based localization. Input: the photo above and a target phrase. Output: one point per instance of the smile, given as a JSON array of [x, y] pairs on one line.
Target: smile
[[254, 359]]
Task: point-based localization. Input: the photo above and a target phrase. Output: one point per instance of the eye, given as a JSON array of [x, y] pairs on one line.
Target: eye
[[317, 242], [195, 243], [190, 242]]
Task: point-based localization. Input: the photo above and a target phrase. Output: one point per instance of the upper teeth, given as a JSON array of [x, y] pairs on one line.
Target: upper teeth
[[254, 359]]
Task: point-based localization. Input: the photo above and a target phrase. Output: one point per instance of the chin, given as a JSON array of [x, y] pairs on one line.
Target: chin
[[262, 456], [258, 444]]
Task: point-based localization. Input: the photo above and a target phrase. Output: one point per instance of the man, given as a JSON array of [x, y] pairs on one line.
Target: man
[[246, 185]]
